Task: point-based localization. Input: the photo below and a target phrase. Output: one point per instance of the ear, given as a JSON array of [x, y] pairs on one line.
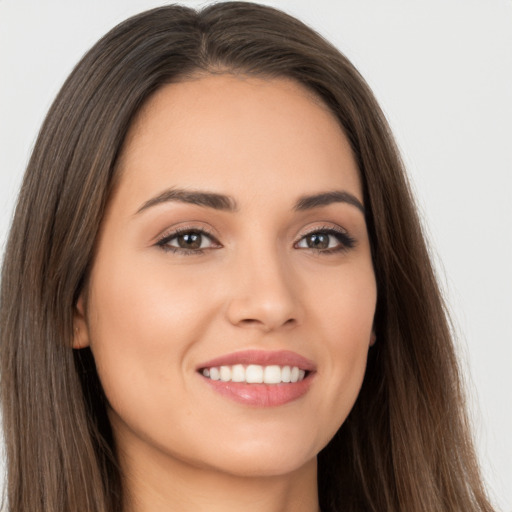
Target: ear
[[80, 328], [373, 338]]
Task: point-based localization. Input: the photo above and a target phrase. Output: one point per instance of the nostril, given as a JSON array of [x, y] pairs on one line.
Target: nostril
[[253, 322], [250, 321]]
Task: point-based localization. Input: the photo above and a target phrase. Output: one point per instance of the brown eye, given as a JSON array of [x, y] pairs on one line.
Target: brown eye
[[188, 241], [191, 240], [318, 241], [326, 241]]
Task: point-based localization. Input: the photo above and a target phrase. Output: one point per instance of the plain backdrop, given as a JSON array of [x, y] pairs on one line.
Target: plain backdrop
[[442, 71]]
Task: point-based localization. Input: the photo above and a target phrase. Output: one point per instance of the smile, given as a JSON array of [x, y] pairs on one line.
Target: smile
[[259, 378], [255, 374]]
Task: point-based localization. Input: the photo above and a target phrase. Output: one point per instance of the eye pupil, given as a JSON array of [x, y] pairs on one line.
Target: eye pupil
[[318, 241], [190, 240]]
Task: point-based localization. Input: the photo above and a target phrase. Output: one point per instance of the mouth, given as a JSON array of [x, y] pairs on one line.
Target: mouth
[[256, 374], [259, 378]]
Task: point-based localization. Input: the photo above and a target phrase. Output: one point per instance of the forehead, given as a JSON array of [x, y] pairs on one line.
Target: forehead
[[237, 132]]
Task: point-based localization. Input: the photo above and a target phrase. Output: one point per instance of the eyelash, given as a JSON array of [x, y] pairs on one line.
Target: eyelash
[[346, 242], [163, 243]]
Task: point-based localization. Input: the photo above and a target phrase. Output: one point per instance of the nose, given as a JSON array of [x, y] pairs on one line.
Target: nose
[[263, 294]]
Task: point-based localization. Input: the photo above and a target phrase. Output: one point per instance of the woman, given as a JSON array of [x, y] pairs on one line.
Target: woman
[[216, 292]]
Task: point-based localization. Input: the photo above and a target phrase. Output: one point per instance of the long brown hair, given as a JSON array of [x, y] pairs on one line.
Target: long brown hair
[[404, 447]]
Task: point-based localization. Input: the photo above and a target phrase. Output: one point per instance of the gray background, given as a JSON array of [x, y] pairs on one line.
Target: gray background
[[442, 71]]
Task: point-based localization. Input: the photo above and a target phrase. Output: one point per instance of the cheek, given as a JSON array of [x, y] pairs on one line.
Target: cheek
[[345, 317], [343, 304], [147, 303], [142, 322]]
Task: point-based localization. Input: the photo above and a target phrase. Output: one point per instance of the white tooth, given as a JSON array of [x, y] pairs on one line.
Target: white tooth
[[295, 374], [254, 374], [286, 374], [272, 374], [238, 373], [206, 372], [214, 373], [225, 373], [302, 374]]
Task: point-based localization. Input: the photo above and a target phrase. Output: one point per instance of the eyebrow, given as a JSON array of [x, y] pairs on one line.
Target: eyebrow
[[327, 198], [227, 203], [207, 199]]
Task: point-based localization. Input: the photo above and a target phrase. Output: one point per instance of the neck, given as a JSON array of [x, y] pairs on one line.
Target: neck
[[173, 485]]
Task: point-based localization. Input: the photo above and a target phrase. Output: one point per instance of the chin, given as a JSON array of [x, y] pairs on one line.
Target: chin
[[265, 467], [264, 457]]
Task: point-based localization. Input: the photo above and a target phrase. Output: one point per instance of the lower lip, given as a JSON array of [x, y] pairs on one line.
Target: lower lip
[[262, 395]]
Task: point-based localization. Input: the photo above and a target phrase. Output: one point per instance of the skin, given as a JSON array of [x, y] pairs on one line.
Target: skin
[[151, 315]]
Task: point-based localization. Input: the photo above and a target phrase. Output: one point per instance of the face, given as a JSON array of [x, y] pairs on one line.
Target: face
[[231, 299]]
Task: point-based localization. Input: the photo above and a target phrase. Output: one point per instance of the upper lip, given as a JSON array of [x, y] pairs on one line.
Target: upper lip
[[263, 358]]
